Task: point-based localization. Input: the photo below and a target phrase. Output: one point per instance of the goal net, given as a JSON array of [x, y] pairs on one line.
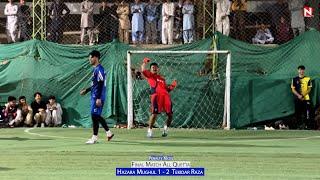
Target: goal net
[[202, 96]]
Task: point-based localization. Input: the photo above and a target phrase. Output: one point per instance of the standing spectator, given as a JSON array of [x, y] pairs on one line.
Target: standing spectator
[[239, 9], [222, 16], [178, 21], [10, 112], [109, 22], [297, 19], [54, 112], [159, 22], [39, 109], [283, 31], [123, 12], [87, 22], [24, 111], [137, 10], [188, 21], [263, 36], [24, 21], [301, 87], [57, 11], [11, 11], [167, 22], [151, 17]]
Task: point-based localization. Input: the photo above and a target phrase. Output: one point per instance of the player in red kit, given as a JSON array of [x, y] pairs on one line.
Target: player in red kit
[[159, 94]]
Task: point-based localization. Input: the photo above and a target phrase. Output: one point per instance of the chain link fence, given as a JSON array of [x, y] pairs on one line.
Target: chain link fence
[[158, 22]]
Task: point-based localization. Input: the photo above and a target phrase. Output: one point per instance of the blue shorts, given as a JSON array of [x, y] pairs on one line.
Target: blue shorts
[[94, 109]]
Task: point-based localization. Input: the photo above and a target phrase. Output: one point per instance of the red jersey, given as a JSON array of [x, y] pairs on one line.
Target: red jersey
[[157, 83]]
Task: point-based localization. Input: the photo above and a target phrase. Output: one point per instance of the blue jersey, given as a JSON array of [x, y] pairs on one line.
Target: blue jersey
[[98, 77]]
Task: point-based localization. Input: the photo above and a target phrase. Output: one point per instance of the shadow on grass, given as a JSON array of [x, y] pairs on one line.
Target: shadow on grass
[[5, 169], [23, 139]]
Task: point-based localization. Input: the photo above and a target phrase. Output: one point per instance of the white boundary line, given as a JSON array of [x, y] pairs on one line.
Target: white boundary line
[[184, 141]]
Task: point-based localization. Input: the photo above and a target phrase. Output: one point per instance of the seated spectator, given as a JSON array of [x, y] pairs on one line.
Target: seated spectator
[[39, 109], [24, 111], [54, 112], [10, 112], [283, 31], [263, 36]]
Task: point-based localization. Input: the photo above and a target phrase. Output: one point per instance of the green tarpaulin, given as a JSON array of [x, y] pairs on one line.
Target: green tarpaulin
[[260, 89], [261, 76], [63, 70]]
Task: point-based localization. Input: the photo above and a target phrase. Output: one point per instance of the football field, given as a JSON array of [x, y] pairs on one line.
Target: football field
[[61, 153]]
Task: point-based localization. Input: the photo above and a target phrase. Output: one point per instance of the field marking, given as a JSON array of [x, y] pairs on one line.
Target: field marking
[[177, 141], [43, 135]]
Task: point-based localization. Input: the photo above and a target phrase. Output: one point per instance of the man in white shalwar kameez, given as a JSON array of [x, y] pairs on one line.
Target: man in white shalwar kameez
[[222, 19], [137, 10], [297, 19], [167, 22], [188, 21], [11, 11]]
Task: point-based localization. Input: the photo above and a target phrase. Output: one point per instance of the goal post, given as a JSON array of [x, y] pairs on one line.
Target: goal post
[[134, 60]]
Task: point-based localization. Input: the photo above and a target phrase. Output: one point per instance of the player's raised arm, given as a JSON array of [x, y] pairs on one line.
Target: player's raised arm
[[143, 65]]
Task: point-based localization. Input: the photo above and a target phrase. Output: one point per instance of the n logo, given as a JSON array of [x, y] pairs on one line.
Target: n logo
[[308, 11]]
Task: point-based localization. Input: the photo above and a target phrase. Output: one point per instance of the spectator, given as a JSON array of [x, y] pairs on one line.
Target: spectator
[[178, 22], [24, 112], [151, 17], [39, 109], [167, 22], [87, 22], [263, 36], [301, 87], [24, 21], [123, 12], [137, 10], [188, 21], [57, 12], [297, 19], [283, 31], [109, 22], [159, 22], [54, 113], [278, 10], [239, 9], [11, 11], [222, 16], [10, 112]]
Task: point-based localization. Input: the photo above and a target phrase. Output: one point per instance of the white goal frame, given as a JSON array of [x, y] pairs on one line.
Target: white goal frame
[[227, 100]]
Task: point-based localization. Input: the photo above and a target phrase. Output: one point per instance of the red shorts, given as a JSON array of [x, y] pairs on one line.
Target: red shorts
[[161, 103]]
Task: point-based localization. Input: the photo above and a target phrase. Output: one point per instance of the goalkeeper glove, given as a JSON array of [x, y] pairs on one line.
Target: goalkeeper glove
[[173, 85], [146, 60]]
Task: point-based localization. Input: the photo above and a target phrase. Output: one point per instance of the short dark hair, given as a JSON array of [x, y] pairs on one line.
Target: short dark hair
[[37, 93], [11, 98], [95, 53], [52, 97], [154, 64], [22, 97], [301, 67]]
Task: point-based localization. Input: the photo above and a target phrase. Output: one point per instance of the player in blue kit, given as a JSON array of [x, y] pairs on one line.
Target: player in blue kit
[[98, 96]]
